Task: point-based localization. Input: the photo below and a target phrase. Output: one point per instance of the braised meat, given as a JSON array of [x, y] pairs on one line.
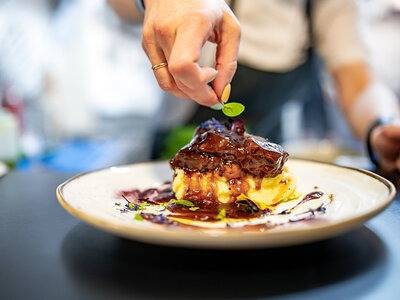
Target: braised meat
[[227, 147]]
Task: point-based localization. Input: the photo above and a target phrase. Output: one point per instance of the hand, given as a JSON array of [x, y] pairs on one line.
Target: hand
[[385, 142], [175, 31]]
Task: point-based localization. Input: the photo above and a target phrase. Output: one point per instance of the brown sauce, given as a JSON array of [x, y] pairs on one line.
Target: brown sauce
[[208, 208], [208, 211], [311, 196]]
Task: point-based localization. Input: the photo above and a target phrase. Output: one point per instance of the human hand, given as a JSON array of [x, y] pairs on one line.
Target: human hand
[[385, 143], [175, 31]]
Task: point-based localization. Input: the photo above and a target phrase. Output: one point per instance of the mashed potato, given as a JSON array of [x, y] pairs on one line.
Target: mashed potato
[[271, 190]]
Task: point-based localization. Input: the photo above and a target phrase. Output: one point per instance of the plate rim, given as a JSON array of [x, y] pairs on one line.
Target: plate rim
[[139, 234]]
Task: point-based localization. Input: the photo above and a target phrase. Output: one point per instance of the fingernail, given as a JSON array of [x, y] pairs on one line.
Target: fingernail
[[211, 80], [217, 106], [226, 93]]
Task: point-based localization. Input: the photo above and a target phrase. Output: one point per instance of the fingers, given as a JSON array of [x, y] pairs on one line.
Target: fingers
[[227, 52], [156, 56], [164, 37], [175, 32], [386, 149], [392, 131], [189, 76]]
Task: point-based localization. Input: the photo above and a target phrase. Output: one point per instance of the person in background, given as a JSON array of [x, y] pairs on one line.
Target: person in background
[[275, 61]]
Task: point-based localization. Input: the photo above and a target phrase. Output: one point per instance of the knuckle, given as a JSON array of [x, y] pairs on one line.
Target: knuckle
[[147, 36], [181, 86], [177, 67], [161, 29], [166, 85], [200, 19]]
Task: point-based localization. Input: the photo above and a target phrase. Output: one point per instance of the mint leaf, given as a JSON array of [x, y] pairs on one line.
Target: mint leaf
[[138, 217], [233, 109], [194, 208], [221, 214], [184, 202]]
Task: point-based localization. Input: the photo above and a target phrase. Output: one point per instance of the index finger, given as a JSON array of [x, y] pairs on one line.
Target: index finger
[[185, 53], [227, 53]]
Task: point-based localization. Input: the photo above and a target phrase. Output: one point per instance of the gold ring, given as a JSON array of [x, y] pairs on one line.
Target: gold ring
[[159, 66]]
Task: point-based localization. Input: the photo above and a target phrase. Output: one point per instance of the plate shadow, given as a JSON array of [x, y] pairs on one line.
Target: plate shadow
[[103, 264]]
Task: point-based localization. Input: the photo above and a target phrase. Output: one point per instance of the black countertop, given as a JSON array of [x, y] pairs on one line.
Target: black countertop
[[45, 253]]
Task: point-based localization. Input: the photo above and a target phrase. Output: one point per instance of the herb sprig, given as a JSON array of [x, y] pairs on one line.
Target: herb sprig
[[221, 215]]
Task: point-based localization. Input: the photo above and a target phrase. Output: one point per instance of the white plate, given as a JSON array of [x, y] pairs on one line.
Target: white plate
[[358, 196]]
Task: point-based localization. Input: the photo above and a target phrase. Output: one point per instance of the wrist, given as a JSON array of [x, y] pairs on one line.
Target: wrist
[[372, 133]]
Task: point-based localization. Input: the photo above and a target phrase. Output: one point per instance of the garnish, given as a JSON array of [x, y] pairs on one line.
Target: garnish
[[233, 109], [184, 202], [132, 206], [221, 214], [194, 208], [138, 217], [141, 206]]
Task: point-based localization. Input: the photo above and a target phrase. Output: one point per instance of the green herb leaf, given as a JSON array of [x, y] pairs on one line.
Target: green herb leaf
[[141, 206], [131, 205], [194, 208], [233, 109], [184, 202], [138, 217], [221, 214]]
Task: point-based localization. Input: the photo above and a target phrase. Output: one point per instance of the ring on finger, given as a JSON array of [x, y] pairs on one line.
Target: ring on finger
[[159, 66]]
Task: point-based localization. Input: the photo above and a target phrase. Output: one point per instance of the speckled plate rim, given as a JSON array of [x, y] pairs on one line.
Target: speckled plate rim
[[231, 239]]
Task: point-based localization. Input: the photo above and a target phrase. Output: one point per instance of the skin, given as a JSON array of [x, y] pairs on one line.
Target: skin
[[351, 81], [175, 31]]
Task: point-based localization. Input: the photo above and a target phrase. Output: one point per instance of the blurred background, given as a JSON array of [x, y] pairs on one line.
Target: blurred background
[[78, 93]]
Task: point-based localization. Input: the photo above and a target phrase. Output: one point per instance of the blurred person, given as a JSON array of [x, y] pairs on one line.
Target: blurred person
[[275, 61]]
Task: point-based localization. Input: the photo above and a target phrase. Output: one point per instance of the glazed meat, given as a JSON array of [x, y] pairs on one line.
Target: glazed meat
[[228, 148]]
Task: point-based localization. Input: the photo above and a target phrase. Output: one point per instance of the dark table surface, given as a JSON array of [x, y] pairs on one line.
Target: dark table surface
[[47, 254]]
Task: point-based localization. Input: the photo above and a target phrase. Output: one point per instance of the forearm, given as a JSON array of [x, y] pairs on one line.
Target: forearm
[[126, 10], [363, 98]]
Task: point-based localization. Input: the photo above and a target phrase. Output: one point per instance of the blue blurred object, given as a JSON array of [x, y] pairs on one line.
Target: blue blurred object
[[75, 156]]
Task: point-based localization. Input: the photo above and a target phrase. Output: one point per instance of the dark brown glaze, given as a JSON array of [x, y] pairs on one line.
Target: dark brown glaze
[[216, 146], [239, 209], [210, 213], [308, 197], [311, 196]]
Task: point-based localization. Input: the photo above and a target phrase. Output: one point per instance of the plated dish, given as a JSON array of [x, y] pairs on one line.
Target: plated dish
[[229, 189]]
